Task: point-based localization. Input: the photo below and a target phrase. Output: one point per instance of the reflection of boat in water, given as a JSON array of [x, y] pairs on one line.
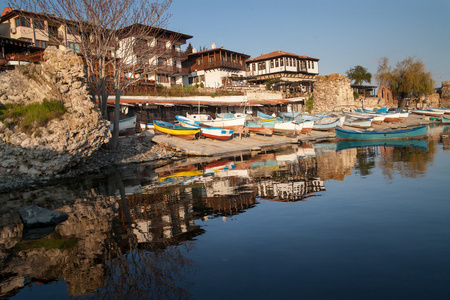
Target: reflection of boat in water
[[390, 143], [181, 174]]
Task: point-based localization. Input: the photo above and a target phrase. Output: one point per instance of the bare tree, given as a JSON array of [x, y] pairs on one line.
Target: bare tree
[[121, 41]]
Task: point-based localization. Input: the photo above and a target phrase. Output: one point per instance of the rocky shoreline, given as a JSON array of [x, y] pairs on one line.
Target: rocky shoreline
[[138, 149]]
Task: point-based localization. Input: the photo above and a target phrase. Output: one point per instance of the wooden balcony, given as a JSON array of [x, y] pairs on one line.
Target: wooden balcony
[[172, 70], [221, 64]]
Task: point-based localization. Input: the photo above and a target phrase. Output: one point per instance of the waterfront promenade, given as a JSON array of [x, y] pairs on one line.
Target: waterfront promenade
[[255, 142]]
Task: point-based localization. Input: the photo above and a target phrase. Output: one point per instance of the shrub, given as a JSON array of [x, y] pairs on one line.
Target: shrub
[[310, 104]]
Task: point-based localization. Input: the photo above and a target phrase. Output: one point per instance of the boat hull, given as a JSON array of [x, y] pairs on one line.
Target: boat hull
[[416, 132], [288, 128], [428, 113], [126, 126], [185, 133], [445, 120], [206, 130]]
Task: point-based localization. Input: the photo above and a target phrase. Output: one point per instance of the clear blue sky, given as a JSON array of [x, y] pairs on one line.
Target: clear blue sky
[[341, 33]]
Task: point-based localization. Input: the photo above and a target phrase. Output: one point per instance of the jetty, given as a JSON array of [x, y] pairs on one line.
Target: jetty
[[256, 142]]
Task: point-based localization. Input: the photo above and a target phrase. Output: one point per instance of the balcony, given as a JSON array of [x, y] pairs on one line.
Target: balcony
[[222, 64], [172, 70]]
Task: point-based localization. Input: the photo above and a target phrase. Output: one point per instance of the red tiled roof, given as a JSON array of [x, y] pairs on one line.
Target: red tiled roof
[[279, 53], [194, 103]]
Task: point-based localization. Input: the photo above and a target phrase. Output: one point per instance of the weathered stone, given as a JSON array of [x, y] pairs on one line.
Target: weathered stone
[[34, 216], [77, 134]]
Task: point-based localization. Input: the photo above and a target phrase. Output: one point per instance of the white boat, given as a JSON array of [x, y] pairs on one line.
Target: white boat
[[206, 130], [146, 126], [287, 128], [307, 126], [235, 124], [377, 118], [428, 113], [328, 123], [126, 126]]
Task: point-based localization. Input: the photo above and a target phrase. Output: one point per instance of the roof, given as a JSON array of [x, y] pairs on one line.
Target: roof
[[212, 102], [279, 53], [215, 50]]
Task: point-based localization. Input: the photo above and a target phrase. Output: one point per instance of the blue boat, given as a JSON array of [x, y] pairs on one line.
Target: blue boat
[[266, 116], [408, 133]]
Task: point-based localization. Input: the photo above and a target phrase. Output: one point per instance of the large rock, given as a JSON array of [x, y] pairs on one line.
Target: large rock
[[63, 142], [34, 216]]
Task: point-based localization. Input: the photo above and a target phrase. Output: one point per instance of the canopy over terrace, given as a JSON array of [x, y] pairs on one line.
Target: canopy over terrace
[[165, 109]]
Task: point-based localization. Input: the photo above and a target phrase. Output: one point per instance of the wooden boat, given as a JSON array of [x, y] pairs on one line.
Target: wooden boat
[[307, 125], [445, 120], [260, 127], [236, 124], [376, 110], [403, 114], [408, 133], [266, 116], [377, 118], [126, 126], [288, 128], [428, 113], [358, 122], [206, 130], [289, 115], [328, 123], [441, 109], [175, 130], [146, 126]]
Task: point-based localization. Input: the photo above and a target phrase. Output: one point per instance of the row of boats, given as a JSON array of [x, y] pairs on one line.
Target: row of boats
[[287, 123]]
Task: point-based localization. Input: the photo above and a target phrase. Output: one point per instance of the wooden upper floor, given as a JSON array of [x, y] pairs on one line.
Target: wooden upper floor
[[216, 58]]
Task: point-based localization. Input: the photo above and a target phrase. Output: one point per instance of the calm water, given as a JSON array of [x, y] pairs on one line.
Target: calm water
[[330, 221]]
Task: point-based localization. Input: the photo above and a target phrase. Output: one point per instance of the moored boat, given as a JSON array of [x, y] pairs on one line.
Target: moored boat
[[126, 126], [428, 113], [445, 120], [307, 125], [236, 124], [377, 118], [206, 130], [175, 130], [328, 123], [408, 133], [288, 128], [358, 122], [146, 126], [260, 127]]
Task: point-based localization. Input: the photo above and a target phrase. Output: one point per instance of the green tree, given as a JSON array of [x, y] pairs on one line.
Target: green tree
[[189, 49], [359, 74], [408, 80]]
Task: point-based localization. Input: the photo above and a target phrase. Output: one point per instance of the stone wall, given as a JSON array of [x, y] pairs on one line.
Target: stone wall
[[445, 94], [63, 142], [332, 92]]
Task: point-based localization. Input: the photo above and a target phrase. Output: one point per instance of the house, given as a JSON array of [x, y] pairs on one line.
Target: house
[[294, 71], [40, 31], [215, 68]]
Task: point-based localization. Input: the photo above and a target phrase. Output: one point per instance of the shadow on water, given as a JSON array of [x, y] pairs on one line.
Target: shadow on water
[[128, 232]]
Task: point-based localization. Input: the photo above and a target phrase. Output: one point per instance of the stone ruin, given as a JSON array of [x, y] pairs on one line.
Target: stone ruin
[[445, 94], [63, 142], [332, 92]]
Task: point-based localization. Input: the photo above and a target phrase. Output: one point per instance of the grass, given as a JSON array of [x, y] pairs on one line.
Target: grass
[[48, 243], [32, 116]]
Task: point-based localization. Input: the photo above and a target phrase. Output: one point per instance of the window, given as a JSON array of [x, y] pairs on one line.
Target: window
[[74, 47], [262, 66], [41, 44], [253, 67], [271, 63], [281, 61], [211, 59], [71, 29], [312, 65], [23, 21], [276, 63], [309, 65], [200, 61], [39, 24]]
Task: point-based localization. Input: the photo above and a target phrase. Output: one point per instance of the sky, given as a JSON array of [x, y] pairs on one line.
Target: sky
[[340, 33]]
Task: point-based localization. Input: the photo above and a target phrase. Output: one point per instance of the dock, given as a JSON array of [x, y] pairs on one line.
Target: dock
[[256, 142]]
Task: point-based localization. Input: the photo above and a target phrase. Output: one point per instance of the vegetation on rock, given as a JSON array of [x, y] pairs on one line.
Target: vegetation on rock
[[32, 116]]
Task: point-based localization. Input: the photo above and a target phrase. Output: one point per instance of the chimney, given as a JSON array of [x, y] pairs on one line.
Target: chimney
[[194, 50], [213, 45]]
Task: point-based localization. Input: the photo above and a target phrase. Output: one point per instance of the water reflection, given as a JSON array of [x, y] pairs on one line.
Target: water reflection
[[128, 232]]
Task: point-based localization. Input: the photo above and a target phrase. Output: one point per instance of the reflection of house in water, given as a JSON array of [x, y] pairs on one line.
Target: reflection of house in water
[[289, 191], [164, 217]]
